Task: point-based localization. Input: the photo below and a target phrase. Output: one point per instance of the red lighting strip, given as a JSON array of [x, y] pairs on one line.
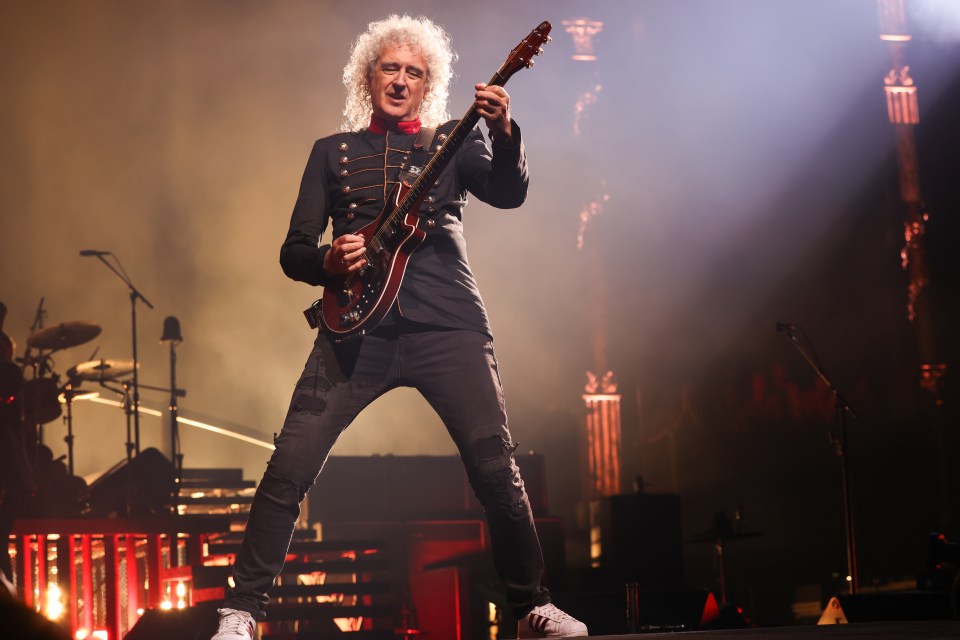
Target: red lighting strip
[[603, 442], [86, 578]]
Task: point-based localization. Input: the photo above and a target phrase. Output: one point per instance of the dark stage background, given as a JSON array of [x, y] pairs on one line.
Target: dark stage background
[[749, 169]]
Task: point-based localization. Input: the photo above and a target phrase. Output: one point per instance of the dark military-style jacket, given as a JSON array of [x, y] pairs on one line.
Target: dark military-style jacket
[[347, 180]]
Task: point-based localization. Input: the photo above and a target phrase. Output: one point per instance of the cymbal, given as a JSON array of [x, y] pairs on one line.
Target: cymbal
[[101, 370], [64, 335], [72, 394]]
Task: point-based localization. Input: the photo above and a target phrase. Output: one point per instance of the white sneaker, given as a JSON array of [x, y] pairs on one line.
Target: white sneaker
[[547, 621], [235, 625]]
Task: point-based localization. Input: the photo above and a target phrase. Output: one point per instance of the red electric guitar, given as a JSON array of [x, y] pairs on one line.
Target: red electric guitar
[[354, 303]]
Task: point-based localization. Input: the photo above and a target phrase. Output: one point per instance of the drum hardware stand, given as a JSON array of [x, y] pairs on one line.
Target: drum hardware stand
[[68, 393], [725, 532], [722, 531], [34, 364], [124, 392], [839, 439], [128, 409], [134, 294]]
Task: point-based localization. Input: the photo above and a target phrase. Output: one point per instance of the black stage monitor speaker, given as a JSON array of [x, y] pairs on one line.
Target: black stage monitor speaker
[[23, 623], [641, 539], [888, 606], [142, 487]]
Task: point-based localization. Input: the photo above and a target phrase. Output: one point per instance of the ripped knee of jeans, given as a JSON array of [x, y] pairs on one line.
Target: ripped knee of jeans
[[496, 478], [309, 397], [305, 403], [282, 491]]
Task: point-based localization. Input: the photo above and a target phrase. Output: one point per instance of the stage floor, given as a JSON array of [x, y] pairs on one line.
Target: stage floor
[[910, 630]]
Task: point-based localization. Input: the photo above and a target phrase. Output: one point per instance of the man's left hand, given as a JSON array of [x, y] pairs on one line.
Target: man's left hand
[[493, 105]]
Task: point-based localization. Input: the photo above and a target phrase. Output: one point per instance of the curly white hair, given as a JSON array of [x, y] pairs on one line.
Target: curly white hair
[[422, 36]]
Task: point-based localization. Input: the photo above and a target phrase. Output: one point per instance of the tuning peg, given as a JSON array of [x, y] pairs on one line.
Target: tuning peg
[[530, 64], [539, 52], [549, 39]]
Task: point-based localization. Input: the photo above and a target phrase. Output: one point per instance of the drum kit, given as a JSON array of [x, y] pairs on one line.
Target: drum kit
[[38, 394], [43, 394]]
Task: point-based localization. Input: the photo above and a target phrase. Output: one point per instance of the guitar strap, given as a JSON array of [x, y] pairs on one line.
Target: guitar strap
[[419, 155], [425, 138]]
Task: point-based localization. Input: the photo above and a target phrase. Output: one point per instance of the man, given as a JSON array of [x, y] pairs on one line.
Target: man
[[436, 337]]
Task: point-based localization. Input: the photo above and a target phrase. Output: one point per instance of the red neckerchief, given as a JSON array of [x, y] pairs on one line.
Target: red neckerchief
[[381, 126]]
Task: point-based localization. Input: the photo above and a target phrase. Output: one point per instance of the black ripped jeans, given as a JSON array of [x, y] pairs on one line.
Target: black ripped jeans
[[456, 372]]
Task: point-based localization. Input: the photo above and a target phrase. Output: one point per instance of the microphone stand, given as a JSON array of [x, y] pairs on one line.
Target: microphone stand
[[172, 337], [134, 294], [127, 405], [839, 440], [175, 452], [129, 498]]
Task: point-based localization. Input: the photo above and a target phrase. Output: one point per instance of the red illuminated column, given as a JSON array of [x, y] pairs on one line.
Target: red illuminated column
[[904, 114], [86, 564], [582, 31], [601, 398], [603, 434]]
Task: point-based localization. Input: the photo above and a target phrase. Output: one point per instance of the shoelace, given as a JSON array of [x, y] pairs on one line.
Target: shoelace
[[550, 611], [235, 623]]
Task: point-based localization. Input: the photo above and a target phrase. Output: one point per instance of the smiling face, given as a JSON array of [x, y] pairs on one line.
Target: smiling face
[[398, 84]]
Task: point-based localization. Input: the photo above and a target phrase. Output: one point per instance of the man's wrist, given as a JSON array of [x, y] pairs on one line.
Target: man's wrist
[[508, 140], [324, 251]]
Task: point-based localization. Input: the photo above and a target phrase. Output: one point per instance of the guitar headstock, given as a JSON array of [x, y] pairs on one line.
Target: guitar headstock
[[521, 57]]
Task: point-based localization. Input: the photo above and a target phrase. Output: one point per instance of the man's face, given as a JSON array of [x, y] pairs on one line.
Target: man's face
[[398, 84]]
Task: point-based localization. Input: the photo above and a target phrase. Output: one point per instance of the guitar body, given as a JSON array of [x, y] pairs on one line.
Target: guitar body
[[354, 303]]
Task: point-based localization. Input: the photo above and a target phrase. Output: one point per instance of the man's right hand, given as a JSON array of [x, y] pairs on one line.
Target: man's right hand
[[345, 255]]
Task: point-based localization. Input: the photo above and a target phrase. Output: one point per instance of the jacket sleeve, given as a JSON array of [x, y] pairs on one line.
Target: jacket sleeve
[[301, 255], [496, 174]]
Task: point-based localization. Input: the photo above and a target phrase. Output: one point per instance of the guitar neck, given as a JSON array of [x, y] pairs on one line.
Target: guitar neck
[[519, 58], [444, 154], [456, 137]]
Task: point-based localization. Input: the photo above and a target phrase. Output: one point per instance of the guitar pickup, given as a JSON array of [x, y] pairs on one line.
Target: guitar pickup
[[347, 319]]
